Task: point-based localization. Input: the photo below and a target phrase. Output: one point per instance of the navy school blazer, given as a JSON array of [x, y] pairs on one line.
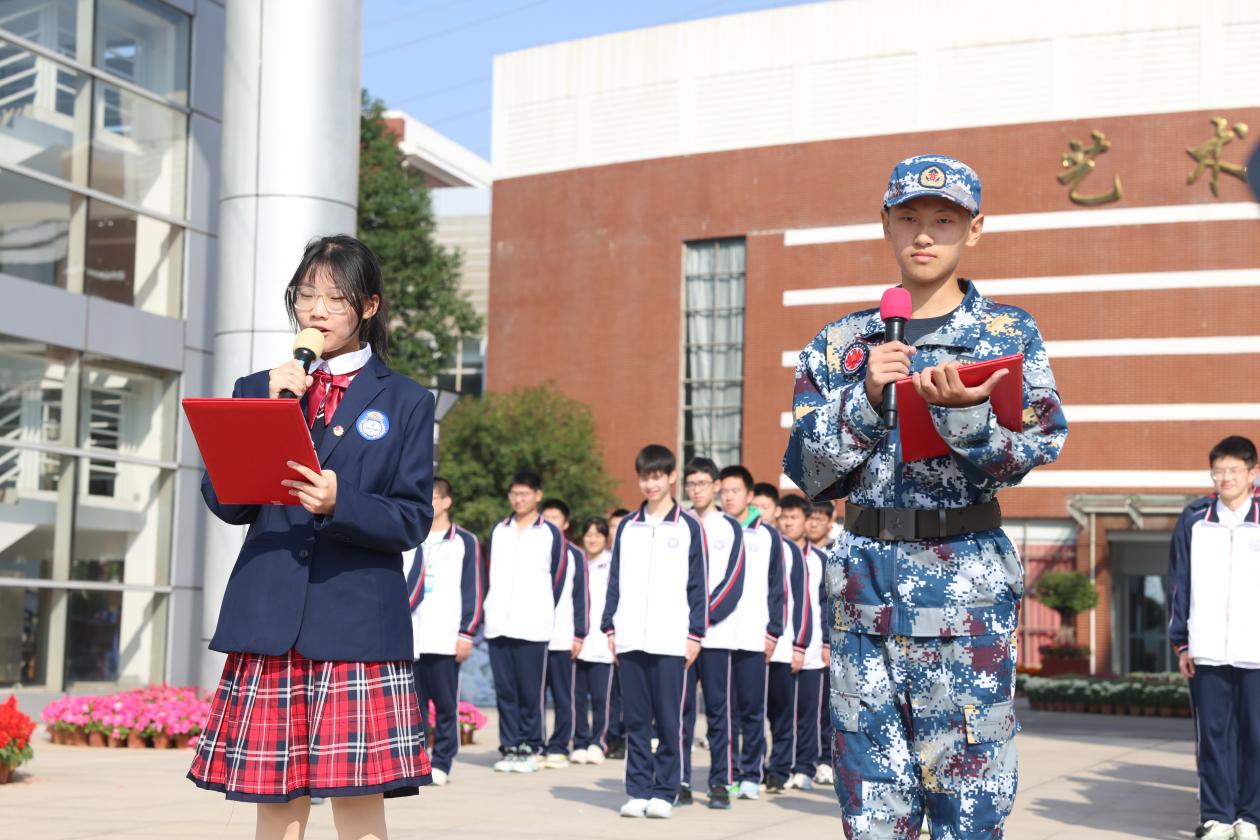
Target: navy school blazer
[[332, 586]]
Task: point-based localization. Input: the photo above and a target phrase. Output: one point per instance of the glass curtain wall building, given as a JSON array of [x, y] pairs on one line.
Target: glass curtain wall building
[[108, 182]]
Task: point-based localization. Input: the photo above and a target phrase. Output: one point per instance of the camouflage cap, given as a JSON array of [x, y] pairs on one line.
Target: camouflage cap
[[934, 175]]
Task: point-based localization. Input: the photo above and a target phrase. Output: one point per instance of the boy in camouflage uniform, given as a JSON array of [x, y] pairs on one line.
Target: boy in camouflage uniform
[[925, 586]]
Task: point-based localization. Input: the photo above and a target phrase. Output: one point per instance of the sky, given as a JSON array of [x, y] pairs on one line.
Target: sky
[[434, 59]]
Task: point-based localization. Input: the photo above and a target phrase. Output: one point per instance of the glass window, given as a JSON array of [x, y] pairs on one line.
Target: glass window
[[28, 488], [37, 101], [133, 259], [23, 635], [123, 410], [122, 514], [466, 373], [146, 43], [713, 382], [49, 23], [1147, 607], [32, 377], [138, 149], [93, 622], [34, 230]]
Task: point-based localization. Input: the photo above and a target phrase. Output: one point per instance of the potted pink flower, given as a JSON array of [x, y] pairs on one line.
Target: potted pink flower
[[470, 720]]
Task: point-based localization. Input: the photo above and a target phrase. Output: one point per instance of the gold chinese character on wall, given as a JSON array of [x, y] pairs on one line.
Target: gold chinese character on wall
[[1079, 163], [1207, 155]]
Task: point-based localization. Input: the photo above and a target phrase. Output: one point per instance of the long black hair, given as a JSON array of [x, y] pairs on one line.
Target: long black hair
[[355, 271]]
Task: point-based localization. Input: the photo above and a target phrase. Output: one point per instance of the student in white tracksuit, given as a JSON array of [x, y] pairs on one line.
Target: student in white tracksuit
[[1214, 578], [785, 663], [445, 588], [567, 638], [813, 712], [759, 621], [526, 576], [593, 685], [712, 670], [655, 615]]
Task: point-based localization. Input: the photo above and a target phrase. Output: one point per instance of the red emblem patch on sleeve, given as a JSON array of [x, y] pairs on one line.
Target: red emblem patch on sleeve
[[854, 357]]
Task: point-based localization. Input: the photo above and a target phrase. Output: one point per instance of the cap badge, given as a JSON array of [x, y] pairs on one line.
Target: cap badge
[[932, 178]]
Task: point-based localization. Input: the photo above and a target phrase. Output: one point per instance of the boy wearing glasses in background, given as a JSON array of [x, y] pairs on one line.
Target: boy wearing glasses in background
[[527, 575], [1214, 576]]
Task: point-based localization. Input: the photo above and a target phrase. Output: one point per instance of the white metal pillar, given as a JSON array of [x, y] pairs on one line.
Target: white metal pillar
[[290, 172]]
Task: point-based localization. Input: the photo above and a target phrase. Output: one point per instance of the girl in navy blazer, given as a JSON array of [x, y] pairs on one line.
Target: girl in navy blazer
[[317, 696]]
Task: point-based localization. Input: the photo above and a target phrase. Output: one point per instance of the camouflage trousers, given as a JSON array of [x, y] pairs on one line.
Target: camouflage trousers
[[923, 727]]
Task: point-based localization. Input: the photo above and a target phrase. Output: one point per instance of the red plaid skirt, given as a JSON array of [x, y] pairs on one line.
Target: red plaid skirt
[[281, 727]]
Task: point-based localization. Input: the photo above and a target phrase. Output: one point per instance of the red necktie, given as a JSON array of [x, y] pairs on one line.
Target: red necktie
[[327, 391]]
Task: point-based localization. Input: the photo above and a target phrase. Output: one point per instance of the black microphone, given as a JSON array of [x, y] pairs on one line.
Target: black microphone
[[894, 308], [306, 349]]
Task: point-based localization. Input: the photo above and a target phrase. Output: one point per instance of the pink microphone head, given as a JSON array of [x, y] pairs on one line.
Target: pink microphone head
[[895, 304]]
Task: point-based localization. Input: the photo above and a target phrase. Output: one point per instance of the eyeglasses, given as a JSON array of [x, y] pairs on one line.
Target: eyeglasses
[[520, 494], [304, 298], [1228, 472], [697, 485]]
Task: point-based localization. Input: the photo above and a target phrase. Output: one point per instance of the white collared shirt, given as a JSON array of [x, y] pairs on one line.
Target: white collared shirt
[[346, 362], [1229, 517]]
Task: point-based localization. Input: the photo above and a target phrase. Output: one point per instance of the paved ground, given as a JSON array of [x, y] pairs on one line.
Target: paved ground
[[1083, 777]]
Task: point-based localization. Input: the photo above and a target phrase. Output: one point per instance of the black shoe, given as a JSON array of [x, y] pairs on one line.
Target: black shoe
[[719, 799], [774, 784], [684, 795], [616, 748]]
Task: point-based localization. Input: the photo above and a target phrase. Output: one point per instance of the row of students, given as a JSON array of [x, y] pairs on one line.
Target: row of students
[[758, 629]]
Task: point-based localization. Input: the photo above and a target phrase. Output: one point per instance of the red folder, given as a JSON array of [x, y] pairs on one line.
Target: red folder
[[246, 444], [919, 439]]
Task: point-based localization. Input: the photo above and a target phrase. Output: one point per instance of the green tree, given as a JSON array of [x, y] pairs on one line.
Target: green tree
[[1069, 593], [484, 442], [428, 312]]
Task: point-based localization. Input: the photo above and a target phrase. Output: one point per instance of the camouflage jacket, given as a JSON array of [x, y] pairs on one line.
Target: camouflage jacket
[[961, 586]]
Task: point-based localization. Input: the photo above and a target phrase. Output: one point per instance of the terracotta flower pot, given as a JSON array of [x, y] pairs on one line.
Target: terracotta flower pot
[[77, 738], [161, 741], [96, 739], [1165, 711], [466, 736], [116, 742], [56, 736], [1106, 709], [136, 741], [181, 741], [6, 773]]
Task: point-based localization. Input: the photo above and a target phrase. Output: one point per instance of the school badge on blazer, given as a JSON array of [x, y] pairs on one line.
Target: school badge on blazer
[[372, 424]]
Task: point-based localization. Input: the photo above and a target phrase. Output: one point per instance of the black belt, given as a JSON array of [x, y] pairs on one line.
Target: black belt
[[918, 524]]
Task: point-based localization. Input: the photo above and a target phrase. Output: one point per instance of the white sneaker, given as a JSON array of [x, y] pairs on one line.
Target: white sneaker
[[749, 790], [824, 775], [800, 781], [526, 763], [556, 761], [506, 764], [578, 756], [1244, 830], [440, 778], [594, 755], [659, 809], [635, 808], [1213, 830]]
